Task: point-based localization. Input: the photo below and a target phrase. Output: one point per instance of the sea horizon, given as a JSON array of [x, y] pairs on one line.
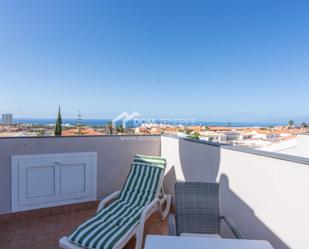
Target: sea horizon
[[132, 124]]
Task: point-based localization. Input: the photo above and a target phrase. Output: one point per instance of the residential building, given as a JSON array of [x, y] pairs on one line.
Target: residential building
[[7, 118]]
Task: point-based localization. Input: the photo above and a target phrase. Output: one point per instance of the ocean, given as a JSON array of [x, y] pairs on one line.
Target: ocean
[[135, 123]]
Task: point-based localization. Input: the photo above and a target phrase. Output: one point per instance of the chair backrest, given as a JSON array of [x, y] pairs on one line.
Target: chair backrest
[[197, 207], [144, 180]]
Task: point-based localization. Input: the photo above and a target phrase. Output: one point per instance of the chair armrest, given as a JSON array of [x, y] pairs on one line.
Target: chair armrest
[[107, 199], [232, 226], [149, 208], [152, 206], [171, 225]]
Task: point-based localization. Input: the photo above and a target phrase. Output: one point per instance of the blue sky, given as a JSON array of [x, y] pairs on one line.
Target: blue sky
[[211, 60]]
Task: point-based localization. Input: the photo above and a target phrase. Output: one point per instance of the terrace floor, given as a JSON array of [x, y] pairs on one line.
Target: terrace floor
[[44, 232]]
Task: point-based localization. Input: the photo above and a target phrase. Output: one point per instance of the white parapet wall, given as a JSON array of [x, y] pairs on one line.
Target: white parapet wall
[[282, 145], [301, 149], [266, 194], [114, 157]]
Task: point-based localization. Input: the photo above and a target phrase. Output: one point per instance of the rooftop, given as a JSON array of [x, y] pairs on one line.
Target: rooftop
[[262, 191]]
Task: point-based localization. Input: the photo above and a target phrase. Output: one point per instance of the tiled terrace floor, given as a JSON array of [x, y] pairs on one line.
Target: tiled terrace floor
[[45, 232]]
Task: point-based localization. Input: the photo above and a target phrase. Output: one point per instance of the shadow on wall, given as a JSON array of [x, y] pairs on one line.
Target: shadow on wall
[[252, 226], [169, 179], [201, 163], [194, 155]]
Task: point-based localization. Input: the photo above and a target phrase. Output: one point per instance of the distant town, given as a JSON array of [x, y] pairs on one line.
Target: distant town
[[270, 138]]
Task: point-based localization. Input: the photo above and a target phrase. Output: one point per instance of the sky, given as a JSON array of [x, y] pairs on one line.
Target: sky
[[208, 60]]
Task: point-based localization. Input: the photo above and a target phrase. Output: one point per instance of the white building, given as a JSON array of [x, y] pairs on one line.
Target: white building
[[7, 118], [210, 136], [229, 136]]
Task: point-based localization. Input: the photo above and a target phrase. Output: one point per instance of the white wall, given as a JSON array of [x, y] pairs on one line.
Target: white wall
[[115, 154], [188, 161], [301, 148], [267, 197], [281, 146]]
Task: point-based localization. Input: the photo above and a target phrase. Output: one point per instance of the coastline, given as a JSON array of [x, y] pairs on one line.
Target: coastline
[[131, 124]]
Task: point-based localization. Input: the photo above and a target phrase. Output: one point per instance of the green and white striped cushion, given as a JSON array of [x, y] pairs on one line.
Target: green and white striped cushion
[[110, 224]]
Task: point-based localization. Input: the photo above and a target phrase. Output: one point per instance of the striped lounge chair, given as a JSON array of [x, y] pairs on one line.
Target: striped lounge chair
[[113, 226]]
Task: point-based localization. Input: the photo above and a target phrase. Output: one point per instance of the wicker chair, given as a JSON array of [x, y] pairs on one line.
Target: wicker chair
[[198, 211]]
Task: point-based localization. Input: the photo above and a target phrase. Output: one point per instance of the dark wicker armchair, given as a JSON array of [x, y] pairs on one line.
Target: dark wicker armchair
[[198, 211]]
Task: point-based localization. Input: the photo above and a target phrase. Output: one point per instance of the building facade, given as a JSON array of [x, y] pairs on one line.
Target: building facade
[[7, 118]]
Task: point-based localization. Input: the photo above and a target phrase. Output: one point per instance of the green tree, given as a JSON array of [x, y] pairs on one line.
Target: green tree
[[304, 125], [40, 132], [291, 123], [58, 125], [109, 128], [194, 135], [120, 128]]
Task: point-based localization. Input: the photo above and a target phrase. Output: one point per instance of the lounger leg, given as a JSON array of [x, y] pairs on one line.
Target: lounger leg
[[165, 212], [139, 237]]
